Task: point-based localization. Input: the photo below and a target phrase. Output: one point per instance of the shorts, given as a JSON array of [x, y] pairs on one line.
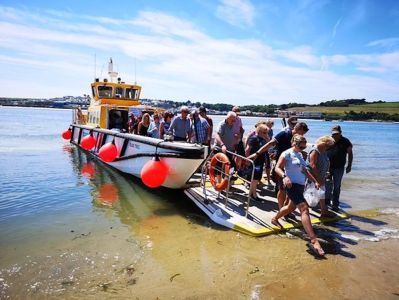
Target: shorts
[[240, 150], [295, 193], [257, 174]]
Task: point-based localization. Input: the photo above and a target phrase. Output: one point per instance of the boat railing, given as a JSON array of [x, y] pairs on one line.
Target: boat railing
[[230, 175]]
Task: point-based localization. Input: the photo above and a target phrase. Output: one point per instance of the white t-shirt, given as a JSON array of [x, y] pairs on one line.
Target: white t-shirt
[[295, 166]]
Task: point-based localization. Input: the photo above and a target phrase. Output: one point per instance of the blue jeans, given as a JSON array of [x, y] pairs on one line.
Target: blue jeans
[[333, 186]]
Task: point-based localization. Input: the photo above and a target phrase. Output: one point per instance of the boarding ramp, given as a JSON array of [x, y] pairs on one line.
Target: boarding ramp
[[235, 209]]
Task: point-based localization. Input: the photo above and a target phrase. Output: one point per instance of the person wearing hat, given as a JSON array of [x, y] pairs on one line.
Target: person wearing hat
[[202, 113], [337, 155]]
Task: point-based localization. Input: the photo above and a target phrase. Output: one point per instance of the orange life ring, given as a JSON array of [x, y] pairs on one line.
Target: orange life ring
[[221, 158]]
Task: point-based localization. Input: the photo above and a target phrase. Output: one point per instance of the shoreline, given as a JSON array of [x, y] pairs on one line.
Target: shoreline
[[215, 264], [242, 116]]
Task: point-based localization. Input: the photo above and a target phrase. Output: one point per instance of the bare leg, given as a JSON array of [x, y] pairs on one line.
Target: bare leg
[[252, 188], [268, 175], [307, 225], [281, 198], [285, 210]]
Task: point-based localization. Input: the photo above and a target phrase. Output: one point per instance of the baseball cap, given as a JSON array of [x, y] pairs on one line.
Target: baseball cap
[[336, 129]]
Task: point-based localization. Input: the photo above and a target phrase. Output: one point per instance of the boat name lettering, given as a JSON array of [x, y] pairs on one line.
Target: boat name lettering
[[134, 145]]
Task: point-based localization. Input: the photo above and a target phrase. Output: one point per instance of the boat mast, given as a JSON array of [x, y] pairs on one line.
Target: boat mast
[[111, 72]]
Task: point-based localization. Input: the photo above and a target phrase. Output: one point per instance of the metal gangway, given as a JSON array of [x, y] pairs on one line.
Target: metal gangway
[[230, 175]]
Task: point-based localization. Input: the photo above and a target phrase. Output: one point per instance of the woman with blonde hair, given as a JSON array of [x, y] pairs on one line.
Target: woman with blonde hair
[[320, 164], [292, 168], [144, 124]]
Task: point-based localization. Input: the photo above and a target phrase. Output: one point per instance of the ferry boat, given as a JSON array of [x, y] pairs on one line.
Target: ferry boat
[[110, 104]]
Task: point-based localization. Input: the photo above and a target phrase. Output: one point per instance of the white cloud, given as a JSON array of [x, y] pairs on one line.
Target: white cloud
[[385, 43], [302, 55], [176, 60], [240, 13]]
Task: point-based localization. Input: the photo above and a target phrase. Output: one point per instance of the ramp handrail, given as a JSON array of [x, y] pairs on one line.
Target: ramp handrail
[[205, 171]]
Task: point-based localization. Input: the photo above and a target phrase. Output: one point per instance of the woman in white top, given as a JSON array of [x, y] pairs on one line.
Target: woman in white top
[[292, 168]]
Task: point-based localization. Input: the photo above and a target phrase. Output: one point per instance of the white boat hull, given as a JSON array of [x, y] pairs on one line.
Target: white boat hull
[[134, 151]]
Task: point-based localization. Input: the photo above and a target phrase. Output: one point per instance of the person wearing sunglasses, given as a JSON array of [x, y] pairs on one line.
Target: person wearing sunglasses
[[292, 167], [281, 142], [255, 142]]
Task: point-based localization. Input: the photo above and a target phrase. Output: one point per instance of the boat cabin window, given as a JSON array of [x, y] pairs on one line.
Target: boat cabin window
[[119, 92], [131, 93], [93, 91], [105, 91]]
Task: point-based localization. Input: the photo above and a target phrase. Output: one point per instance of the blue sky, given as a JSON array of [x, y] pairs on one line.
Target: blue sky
[[229, 51]]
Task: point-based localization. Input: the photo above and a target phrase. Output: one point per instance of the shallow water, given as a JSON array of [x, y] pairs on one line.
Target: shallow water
[[74, 227]]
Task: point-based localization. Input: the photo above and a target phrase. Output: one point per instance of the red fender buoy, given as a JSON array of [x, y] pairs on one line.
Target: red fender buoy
[[67, 134], [88, 142], [108, 152], [154, 172]]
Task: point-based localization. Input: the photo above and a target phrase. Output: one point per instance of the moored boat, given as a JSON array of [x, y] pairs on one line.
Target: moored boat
[[105, 121]]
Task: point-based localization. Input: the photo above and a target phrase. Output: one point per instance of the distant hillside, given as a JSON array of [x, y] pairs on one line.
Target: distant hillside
[[384, 111], [385, 107]]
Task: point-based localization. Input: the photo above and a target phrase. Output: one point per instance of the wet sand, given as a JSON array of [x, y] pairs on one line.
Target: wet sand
[[188, 257]]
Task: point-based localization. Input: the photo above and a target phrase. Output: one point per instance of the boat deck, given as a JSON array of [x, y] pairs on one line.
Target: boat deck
[[231, 212]]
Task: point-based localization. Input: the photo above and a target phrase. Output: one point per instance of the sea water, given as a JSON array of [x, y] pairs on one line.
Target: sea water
[[68, 220]]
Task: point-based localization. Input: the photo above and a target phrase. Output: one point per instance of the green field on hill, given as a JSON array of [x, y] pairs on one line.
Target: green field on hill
[[388, 108]]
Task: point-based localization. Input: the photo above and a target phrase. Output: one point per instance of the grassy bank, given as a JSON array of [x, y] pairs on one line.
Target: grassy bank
[[390, 108]]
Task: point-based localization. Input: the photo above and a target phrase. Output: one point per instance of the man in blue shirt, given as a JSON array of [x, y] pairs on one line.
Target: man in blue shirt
[[180, 127], [200, 128]]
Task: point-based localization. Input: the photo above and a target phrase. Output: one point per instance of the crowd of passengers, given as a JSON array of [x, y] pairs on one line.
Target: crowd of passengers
[[294, 169]]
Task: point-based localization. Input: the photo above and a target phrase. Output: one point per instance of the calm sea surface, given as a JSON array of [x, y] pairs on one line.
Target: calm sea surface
[[52, 193], [41, 175]]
